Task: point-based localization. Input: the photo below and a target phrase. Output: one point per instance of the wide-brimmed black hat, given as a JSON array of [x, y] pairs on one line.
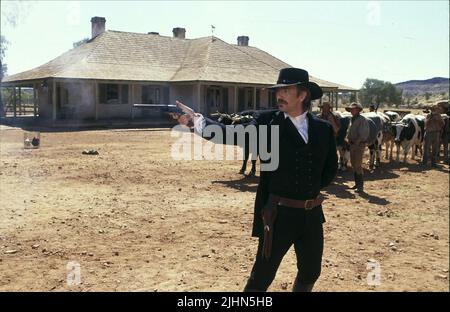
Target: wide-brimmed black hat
[[295, 76]]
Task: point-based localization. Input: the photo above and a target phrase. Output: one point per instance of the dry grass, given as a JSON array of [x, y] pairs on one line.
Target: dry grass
[[137, 220]]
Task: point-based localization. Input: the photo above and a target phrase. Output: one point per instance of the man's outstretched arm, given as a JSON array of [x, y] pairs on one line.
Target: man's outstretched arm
[[209, 129]]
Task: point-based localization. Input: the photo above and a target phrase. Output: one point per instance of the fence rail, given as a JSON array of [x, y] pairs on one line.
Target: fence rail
[[13, 106]]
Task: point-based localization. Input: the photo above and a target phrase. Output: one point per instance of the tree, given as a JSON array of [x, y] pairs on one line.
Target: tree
[[371, 92], [12, 12], [427, 95], [3, 68], [82, 41], [393, 95], [3, 47], [379, 92]]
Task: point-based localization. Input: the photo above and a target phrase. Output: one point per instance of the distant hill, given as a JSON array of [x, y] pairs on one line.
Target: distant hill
[[434, 86]]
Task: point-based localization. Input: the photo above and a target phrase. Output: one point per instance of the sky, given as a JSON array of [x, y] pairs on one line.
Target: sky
[[339, 41]]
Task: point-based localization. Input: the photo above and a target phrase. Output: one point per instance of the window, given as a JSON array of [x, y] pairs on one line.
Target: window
[[213, 97], [245, 98], [225, 99], [65, 97], [113, 93], [272, 99], [124, 94], [249, 98], [157, 97], [258, 98], [241, 99], [150, 95]]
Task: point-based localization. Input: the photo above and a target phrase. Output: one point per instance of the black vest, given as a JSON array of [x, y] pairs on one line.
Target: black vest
[[293, 178]]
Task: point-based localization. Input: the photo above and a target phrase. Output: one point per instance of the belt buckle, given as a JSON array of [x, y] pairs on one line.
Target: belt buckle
[[306, 204]]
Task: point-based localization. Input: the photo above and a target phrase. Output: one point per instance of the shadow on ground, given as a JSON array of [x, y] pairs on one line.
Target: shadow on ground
[[340, 187]]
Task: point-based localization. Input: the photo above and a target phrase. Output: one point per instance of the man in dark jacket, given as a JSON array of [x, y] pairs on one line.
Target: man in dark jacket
[[288, 205]]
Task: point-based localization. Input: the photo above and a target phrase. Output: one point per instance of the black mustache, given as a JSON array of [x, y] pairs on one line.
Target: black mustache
[[280, 101]]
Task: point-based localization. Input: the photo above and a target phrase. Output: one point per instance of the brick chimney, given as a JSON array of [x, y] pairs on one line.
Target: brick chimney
[[98, 25], [242, 40], [179, 32]]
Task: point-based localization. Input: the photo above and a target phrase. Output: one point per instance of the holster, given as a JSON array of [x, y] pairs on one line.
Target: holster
[[269, 214]]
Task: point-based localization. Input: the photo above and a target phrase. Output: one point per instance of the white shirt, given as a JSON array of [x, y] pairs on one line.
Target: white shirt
[[300, 122], [199, 123]]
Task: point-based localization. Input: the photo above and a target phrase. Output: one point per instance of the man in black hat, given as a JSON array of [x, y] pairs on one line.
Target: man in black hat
[[288, 205]]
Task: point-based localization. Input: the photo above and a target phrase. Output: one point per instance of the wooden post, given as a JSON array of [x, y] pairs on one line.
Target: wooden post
[[337, 99], [61, 98], [96, 95], [34, 99], [198, 99], [54, 93], [235, 98], [131, 99], [254, 97], [20, 101], [14, 101]]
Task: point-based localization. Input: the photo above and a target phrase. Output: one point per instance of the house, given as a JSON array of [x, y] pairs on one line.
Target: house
[[104, 77]]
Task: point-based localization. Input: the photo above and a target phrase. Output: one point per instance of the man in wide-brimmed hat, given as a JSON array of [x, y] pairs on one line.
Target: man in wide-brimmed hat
[[434, 125], [357, 135], [327, 114], [354, 107], [288, 208]]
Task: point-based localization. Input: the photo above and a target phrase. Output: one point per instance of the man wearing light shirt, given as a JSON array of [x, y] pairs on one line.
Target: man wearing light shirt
[[288, 205], [357, 135]]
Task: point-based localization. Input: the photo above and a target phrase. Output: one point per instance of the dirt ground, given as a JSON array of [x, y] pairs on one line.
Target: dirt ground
[[137, 220]]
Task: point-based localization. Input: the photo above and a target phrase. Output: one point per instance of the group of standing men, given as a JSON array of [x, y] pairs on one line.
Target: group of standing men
[[359, 128]]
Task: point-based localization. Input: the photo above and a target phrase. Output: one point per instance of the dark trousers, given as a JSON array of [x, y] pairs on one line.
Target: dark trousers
[[431, 142], [297, 227]]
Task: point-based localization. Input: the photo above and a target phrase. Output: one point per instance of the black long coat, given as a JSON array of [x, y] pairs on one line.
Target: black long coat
[[303, 169]]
